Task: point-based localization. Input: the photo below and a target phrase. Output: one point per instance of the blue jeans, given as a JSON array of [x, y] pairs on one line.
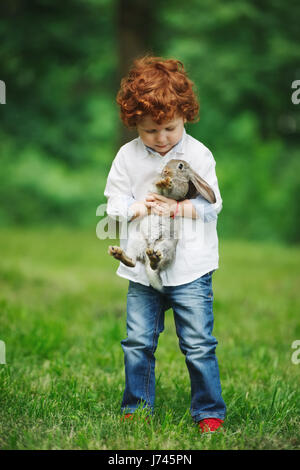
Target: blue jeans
[[192, 305]]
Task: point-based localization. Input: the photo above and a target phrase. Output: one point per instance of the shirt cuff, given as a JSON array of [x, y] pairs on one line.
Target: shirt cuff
[[206, 211], [129, 201]]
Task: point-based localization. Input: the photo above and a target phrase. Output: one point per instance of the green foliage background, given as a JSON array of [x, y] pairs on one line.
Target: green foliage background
[[60, 128]]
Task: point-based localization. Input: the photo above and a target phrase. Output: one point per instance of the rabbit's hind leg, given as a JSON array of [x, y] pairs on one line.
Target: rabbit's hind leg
[[163, 253], [154, 257], [119, 253], [135, 251]]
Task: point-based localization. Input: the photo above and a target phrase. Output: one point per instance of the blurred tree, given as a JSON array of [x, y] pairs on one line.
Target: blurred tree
[[243, 57], [135, 30], [56, 59], [62, 63]]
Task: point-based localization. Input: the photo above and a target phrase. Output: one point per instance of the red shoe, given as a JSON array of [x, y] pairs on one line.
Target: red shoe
[[210, 424], [128, 416]]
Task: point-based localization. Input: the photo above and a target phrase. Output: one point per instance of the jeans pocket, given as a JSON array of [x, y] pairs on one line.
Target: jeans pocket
[[206, 281], [207, 277]]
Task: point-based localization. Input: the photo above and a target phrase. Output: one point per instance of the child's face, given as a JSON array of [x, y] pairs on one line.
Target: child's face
[[161, 137]]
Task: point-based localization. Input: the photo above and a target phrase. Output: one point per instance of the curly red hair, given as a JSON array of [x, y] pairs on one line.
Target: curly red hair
[[157, 87]]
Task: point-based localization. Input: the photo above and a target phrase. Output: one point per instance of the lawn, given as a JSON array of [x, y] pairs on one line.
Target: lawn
[[62, 317]]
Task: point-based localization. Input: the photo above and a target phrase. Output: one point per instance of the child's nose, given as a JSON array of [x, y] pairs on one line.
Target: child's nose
[[160, 137]]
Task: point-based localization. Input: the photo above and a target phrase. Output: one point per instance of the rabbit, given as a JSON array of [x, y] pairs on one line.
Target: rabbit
[[154, 243]]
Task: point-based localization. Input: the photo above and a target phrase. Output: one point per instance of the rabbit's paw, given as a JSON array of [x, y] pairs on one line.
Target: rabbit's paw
[[120, 254], [164, 183], [154, 257]]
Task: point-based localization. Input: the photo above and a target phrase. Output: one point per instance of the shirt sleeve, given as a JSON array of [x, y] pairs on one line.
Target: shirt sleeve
[[118, 190], [205, 210]]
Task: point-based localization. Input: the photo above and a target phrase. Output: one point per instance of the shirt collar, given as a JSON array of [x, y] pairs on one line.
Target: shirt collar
[[178, 148]]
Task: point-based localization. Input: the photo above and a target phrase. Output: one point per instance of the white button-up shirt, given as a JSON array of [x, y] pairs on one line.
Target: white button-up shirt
[[131, 177]]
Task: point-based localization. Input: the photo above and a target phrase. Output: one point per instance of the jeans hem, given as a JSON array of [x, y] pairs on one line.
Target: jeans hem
[[199, 416], [132, 410]]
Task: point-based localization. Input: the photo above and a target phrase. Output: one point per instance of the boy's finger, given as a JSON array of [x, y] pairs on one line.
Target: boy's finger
[[160, 198]]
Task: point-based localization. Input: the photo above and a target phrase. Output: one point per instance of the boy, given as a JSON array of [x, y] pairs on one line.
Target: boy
[[157, 98]]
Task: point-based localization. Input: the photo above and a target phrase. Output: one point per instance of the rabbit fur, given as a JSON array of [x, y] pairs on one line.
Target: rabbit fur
[[156, 236]]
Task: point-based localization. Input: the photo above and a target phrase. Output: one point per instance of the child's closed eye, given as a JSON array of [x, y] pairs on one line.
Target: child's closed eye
[[169, 129]]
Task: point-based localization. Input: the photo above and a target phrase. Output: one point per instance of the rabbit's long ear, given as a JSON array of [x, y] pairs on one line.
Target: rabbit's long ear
[[202, 187]]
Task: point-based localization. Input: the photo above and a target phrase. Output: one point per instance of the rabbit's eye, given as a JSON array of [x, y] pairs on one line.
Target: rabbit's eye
[[180, 166]]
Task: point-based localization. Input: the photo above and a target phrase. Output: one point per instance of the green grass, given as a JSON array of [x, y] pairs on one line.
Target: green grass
[[62, 317]]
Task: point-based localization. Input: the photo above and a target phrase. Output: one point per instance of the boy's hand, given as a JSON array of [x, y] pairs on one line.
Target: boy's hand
[[161, 205], [140, 210]]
